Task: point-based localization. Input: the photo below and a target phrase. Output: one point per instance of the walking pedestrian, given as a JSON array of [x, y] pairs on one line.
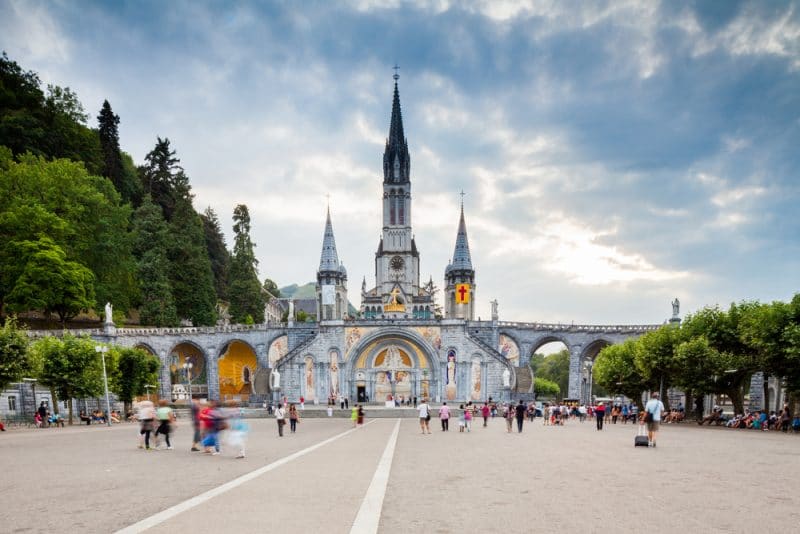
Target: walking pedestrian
[[360, 412], [166, 417], [415, 403], [280, 417], [508, 415], [520, 409], [294, 417], [653, 410], [600, 413], [444, 417], [215, 423], [785, 419], [237, 435], [461, 418], [468, 413], [424, 416], [146, 415], [485, 413], [354, 415]]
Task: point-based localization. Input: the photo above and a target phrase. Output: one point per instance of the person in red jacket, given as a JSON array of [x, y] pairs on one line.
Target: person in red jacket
[[485, 412], [600, 413]]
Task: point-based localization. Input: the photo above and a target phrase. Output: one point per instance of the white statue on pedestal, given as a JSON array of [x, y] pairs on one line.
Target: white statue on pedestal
[[109, 319], [676, 307], [506, 378], [275, 379], [494, 310], [291, 311]]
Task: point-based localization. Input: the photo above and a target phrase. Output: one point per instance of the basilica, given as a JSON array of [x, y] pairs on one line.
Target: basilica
[[398, 347]]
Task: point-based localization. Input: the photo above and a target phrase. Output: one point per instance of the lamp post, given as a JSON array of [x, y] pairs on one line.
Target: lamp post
[[102, 349], [148, 387], [589, 366], [187, 366], [33, 389]]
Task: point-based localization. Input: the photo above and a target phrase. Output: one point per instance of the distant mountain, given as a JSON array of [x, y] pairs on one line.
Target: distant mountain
[[309, 291]]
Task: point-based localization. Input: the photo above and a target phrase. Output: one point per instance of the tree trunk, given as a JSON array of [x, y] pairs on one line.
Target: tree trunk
[[698, 406], [55, 399], [766, 392], [735, 394], [127, 408], [70, 410], [687, 404]]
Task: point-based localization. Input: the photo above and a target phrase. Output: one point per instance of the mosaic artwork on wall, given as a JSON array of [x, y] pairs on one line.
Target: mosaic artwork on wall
[[309, 374], [508, 348], [475, 380], [432, 335], [278, 349], [450, 389], [352, 336], [334, 374]]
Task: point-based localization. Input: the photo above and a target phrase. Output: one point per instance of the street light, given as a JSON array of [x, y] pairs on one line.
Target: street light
[[589, 366], [33, 389], [148, 387], [102, 349], [187, 366]]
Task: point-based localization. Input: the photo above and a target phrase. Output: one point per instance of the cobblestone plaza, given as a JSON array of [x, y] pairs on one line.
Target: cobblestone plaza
[[554, 479]]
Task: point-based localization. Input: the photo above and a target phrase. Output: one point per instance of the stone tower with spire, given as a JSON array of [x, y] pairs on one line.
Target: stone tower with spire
[[459, 278], [331, 279], [397, 291]]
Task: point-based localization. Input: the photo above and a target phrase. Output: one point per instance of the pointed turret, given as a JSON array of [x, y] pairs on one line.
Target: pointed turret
[[459, 277], [329, 259], [462, 260], [331, 279]]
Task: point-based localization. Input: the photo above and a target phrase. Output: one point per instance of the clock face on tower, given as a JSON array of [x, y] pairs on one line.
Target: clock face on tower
[[397, 263]]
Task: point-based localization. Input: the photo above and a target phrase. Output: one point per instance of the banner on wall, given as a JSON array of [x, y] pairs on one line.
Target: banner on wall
[[328, 295], [462, 293]]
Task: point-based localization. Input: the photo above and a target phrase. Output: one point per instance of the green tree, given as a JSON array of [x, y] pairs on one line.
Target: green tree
[[615, 370], [14, 358], [245, 293], [655, 358], [537, 359], [761, 328], [125, 182], [217, 252], [272, 288], [72, 367], [157, 307], [701, 367], [136, 368], [80, 213], [545, 388], [163, 178], [555, 368], [51, 283], [190, 268], [791, 357]]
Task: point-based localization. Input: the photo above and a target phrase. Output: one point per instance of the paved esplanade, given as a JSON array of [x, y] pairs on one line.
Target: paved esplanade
[[566, 479]]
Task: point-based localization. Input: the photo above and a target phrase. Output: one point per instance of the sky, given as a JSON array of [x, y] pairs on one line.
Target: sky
[[613, 155]]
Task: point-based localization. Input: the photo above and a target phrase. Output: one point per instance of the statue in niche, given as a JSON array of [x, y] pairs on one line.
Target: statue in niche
[[450, 388], [275, 379], [506, 378], [393, 359]]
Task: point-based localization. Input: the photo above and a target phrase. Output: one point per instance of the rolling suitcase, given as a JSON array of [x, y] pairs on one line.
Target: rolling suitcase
[[641, 438]]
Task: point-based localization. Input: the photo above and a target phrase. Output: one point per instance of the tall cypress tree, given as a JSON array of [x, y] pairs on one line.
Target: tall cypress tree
[[247, 300], [190, 270], [217, 252], [151, 234], [113, 168]]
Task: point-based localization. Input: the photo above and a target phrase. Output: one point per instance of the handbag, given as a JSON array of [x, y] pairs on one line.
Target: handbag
[[648, 417]]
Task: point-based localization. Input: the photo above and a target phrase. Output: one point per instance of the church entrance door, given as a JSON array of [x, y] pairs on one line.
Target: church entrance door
[[361, 393]]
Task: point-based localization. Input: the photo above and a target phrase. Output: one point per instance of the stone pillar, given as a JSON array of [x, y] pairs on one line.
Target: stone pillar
[[165, 383], [575, 371], [262, 358], [212, 372]]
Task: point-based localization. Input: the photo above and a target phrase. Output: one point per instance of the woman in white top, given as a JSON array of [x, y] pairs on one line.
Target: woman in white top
[[424, 416], [280, 416]]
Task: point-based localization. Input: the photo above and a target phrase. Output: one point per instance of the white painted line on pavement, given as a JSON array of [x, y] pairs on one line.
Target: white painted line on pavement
[[179, 508], [369, 514]]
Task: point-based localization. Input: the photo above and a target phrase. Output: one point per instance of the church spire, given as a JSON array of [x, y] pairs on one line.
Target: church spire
[[329, 259], [462, 260], [396, 160]]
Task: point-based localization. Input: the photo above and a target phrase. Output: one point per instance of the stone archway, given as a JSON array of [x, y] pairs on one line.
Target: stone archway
[[237, 366], [182, 376], [587, 358], [395, 365]]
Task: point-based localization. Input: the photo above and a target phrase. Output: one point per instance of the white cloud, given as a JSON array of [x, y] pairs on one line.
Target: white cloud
[[36, 35]]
